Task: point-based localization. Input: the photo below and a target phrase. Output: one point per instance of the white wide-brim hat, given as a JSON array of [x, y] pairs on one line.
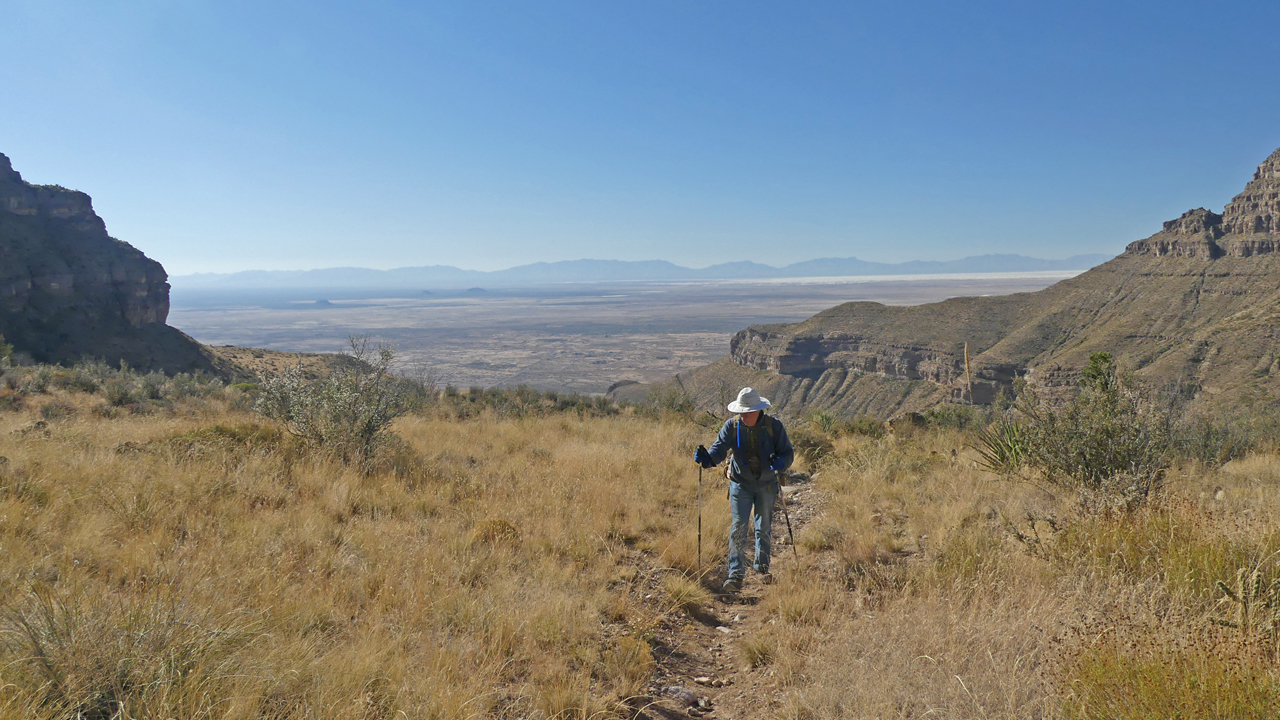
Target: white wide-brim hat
[[748, 401]]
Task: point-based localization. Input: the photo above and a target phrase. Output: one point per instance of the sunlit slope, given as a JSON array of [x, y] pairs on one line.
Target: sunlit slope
[[1195, 304]]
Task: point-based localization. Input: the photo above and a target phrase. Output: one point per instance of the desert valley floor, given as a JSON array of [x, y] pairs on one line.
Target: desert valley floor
[[569, 337]]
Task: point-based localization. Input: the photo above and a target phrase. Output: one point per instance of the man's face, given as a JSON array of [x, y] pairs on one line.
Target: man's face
[[749, 419]]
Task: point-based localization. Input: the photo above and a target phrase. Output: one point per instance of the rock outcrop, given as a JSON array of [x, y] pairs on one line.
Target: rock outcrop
[[1248, 226], [1197, 303], [68, 290], [1256, 211]]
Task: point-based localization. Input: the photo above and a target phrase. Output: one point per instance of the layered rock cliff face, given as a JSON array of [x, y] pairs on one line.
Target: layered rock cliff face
[[68, 290], [1196, 303], [1250, 224]]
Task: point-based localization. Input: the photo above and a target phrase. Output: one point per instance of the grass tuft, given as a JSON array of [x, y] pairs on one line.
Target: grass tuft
[[686, 594]]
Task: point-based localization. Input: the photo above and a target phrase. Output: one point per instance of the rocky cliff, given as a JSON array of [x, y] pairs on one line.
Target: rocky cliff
[[68, 290], [1196, 303]]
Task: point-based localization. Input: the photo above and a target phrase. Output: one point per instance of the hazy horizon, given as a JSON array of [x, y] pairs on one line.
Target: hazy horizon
[[642, 261], [219, 137]]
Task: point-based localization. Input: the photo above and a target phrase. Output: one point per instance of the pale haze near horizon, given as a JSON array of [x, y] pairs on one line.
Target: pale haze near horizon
[[228, 136]]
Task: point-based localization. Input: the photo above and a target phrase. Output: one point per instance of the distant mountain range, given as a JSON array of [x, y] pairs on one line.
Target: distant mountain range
[[445, 276], [1195, 307]]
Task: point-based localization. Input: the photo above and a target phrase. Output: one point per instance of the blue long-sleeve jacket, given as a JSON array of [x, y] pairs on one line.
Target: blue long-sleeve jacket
[[734, 438]]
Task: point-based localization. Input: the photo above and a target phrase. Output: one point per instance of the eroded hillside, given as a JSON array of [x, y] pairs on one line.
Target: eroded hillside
[[1196, 303]]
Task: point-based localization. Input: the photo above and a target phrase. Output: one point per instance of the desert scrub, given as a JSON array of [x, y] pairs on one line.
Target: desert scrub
[[866, 425], [57, 410], [810, 442], [1213, 442], [517, 402], [668, 400], [1124, 671], [469, 576], [958, 417], [824, 421], [505, 566], [349, 412], [1110, 442], [121, 387], [1174, 543]]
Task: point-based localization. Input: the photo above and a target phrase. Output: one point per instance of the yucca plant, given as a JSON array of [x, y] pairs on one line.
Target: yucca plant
[[1002, 446], [825, 422], [1257, 606]]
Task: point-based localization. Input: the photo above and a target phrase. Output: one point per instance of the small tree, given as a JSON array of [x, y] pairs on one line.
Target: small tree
[[1110, 443], [668, 399], [1109, 439], [348, 412]]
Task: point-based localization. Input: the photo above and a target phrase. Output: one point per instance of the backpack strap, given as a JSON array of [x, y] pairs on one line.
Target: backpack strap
[[768, 428], [737, 439]]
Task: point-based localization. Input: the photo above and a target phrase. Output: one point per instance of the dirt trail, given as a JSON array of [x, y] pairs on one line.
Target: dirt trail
[[700, 670]]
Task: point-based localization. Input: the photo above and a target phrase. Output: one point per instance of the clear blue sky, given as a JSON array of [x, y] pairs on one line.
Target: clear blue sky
[[226, 135]]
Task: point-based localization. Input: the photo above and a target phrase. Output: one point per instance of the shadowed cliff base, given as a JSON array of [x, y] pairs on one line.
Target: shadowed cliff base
[[1197, 304], [69, 291]]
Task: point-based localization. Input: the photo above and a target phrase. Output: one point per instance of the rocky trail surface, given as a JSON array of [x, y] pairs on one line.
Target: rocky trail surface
[[701, 671]]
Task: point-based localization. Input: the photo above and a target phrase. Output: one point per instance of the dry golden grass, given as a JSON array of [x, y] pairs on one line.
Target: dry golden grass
[[973, 597], [158, 568], [197, 563], [259, 362]]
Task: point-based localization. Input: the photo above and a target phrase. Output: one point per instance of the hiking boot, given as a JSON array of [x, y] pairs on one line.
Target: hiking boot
[[766, 577], [731, 586]]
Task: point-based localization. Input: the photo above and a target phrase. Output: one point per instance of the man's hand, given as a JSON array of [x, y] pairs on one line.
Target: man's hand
[[776, 463], [703, 458]]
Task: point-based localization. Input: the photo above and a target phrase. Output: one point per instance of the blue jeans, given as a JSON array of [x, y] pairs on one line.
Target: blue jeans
[[742, 499]]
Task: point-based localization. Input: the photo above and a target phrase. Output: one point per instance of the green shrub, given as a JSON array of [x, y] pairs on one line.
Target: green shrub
[[118, 393], [868, 426], [76, 379], [56, 410], [668, 400], [1109, 441], [956, 416], [153, 386], [1211, 443], [37, 380], [349, 412]]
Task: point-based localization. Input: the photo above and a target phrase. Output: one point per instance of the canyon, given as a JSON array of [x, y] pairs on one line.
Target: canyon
[[1196, 304]]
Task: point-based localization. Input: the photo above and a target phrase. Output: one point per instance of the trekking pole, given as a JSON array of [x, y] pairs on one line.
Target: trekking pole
[[783, 497], [699, 518]]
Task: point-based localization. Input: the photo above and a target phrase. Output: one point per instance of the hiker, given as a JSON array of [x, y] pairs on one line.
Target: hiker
[[761, 450]]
